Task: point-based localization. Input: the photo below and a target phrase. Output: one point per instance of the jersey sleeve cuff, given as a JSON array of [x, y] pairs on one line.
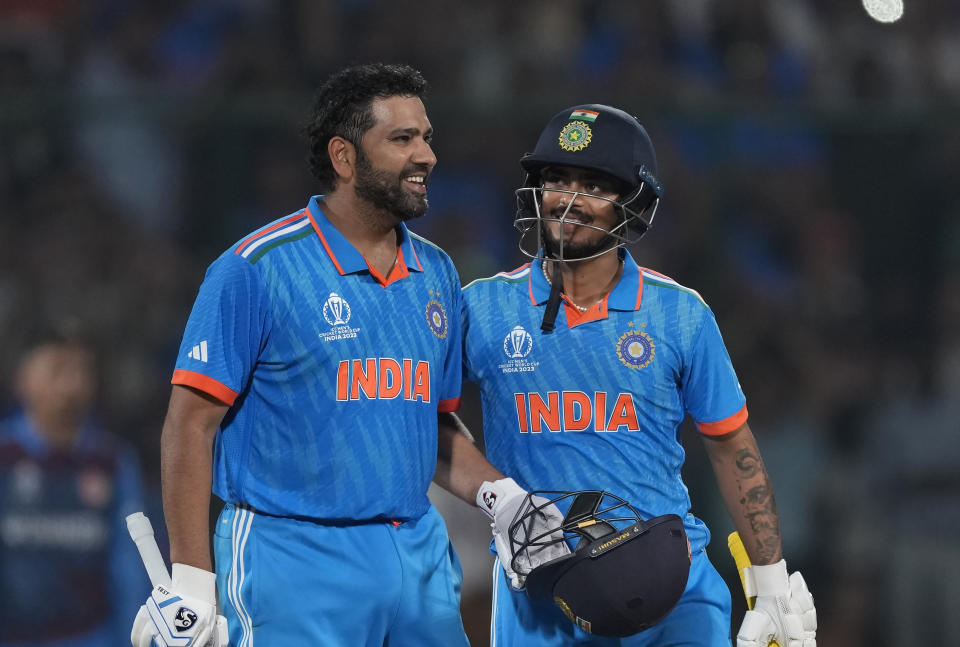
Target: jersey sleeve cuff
[[449, 406], [206, 384], [725, 426]]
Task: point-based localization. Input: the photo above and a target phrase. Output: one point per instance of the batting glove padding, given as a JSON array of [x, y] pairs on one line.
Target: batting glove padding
[[501, 500], [783, 611], [184, 616]]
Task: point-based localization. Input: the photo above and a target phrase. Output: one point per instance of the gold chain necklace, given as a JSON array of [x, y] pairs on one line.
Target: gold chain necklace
[[582, 309]]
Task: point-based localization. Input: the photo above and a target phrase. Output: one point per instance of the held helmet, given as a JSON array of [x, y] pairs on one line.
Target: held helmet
[[599, 138], [624, 574]]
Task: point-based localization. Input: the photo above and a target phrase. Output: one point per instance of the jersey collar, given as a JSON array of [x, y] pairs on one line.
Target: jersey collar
[[347, 258], [625, 295]]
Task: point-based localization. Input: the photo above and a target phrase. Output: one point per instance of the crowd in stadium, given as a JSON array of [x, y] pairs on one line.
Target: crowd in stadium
[[809, 157]]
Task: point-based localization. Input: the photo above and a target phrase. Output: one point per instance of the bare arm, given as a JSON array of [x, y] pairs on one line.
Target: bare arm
[[747, 492], [186, 470], [461, 468]]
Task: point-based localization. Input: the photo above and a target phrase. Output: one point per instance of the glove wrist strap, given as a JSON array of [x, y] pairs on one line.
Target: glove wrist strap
[[194, 582], [771, 579]]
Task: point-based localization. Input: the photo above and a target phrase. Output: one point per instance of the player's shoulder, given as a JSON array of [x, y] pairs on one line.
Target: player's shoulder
[[8, 439], [428, 250], [500, 280], [275, 235], [669, 289], [245, 259]]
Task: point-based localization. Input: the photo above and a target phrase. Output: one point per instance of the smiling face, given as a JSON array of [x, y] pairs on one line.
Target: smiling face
[[575, 223], [395, 159]]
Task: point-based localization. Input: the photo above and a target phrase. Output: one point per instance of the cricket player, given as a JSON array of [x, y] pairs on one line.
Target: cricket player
[[70, 576], [318, 355], [588, 364]]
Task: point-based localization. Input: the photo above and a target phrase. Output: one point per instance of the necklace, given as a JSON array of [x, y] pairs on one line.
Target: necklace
[[582, 309]]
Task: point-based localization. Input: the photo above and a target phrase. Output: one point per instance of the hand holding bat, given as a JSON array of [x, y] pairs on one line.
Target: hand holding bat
[[780, 610], [181, 609]]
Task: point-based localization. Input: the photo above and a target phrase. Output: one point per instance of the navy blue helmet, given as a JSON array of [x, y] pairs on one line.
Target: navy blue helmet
[[599, 138], [624, 574]]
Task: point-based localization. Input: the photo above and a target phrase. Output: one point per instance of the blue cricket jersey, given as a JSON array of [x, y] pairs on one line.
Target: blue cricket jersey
[[598, 403], [70, 574], [334, 374]]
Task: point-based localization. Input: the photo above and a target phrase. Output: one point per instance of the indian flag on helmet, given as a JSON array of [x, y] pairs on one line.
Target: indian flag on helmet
[[584, 115]]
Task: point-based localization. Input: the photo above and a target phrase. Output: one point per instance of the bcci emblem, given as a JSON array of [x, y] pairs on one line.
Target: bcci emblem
[[518, 343], [635, 349], [437, 319], [336, 310], [575, 136]]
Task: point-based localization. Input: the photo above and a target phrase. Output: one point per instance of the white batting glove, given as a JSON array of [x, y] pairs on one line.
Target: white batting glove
[[184, 616], [500, 500], [783, 611]]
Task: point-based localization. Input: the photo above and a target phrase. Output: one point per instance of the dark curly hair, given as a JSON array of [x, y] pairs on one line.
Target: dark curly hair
[[343, 107]]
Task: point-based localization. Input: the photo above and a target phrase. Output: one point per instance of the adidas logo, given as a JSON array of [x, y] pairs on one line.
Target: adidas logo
[[199, 352]]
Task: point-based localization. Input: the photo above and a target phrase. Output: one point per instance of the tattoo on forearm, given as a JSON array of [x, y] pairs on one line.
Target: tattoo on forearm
[[759, 506], [748, 463]]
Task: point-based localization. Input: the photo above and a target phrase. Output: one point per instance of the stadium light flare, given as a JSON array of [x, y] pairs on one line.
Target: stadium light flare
[[884, 10]]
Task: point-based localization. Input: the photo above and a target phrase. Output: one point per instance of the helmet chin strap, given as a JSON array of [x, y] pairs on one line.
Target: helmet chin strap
[[553, 303]]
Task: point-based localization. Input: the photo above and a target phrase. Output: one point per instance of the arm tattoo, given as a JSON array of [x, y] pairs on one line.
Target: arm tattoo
[[759, 506], [748, 463]]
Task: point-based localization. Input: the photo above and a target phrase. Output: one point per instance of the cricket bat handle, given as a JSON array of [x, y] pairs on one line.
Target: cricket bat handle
[[141, 532], [742, 560]]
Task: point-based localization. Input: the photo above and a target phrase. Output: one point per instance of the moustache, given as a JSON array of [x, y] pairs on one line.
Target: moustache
[[558, 213]]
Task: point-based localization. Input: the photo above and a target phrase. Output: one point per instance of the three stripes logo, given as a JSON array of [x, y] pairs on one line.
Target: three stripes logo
[[199, 352]]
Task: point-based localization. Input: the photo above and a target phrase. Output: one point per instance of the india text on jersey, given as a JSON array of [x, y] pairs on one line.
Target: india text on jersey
[[383, 378], [575, 411]]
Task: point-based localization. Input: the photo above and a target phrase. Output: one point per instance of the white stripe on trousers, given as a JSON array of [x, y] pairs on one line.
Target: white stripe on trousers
[[242, 521], [497, 570]]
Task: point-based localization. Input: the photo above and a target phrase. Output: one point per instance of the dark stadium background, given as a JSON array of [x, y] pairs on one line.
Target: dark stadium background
[[810, 157]]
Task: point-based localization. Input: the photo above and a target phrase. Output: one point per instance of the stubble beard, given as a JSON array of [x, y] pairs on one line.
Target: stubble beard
[[574, 251]]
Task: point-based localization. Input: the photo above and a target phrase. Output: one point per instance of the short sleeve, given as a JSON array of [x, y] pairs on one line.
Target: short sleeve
[[225, 331], [452, 367], [711, 390]]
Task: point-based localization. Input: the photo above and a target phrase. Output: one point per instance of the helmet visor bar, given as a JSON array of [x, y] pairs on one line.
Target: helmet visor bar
[[531, 220]]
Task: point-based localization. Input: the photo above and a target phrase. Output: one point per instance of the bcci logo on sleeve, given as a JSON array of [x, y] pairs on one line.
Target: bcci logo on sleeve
[[516, 346], [336, 311]]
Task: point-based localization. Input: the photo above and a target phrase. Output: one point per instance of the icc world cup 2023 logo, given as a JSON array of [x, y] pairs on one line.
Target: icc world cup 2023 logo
[[336, 310], [518, 343]]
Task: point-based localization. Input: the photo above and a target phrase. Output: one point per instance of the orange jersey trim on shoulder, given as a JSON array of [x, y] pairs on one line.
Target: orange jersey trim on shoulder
[[260, 234], [206, 384], [449, 406], [725, 426]]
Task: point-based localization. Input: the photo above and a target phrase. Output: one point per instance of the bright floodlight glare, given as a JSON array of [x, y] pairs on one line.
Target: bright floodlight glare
[[884, 10]]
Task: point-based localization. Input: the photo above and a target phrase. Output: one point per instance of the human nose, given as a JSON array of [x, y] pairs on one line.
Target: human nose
[[574, 196], [424, 155]]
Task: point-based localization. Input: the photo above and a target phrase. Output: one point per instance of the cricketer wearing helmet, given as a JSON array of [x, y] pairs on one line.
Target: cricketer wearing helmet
[[588, 364]]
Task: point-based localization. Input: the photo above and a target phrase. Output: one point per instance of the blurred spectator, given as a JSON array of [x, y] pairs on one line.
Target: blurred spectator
[[69, 572]]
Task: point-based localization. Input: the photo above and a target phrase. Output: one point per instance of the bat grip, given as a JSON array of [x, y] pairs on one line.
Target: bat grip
[[141, 532], [742, 560]]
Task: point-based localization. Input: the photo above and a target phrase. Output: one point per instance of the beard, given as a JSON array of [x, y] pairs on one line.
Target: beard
[[574, 251], [385, 191]]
